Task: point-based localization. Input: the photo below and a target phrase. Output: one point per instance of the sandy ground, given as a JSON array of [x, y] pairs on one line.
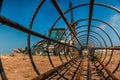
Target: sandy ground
[[18, 67]]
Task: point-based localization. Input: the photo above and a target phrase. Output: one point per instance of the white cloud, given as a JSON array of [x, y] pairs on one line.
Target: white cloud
[[102, 26], [114, 20]]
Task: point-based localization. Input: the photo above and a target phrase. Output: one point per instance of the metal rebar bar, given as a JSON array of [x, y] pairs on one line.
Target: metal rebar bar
[[10, 23], [49, 73], [1, 1], [2, 72], [89, 71], [109, 48], [64, 18], [90, 19], [108, 71]]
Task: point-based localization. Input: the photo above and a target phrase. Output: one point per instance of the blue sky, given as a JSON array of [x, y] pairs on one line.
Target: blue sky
[[21, 11]]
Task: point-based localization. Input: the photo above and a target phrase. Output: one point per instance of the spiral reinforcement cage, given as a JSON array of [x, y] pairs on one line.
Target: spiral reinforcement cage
[[87, 44]]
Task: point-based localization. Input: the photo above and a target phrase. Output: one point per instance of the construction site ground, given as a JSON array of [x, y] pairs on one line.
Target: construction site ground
[[18, 66]]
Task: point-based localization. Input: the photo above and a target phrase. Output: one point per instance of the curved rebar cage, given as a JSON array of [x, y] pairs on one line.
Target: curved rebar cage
[[83, 35]]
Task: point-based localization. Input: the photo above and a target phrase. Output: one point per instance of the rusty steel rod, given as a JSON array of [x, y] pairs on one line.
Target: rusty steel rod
[[89, 71], [10, 23], [108, 71], [80, 70], [72, 78], [1, 1], [29, 37], [2, 72], [109, 48], [64, 18], [52, 71], [90, 19]]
